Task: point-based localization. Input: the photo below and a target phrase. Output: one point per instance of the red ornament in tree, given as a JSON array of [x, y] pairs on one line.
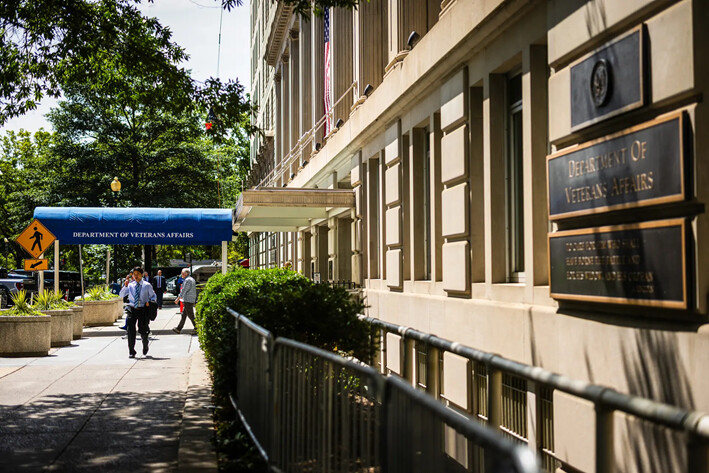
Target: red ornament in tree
[[211, 118]]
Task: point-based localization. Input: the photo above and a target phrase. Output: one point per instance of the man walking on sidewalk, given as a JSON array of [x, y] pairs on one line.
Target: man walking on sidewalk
[[139, 293], [159, 287], [188, 295]]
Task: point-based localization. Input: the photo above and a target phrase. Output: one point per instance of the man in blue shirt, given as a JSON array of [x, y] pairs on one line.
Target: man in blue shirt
[[139, 293]]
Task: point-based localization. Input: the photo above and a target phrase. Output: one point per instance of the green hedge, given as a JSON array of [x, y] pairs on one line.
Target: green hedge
[[283, 302]]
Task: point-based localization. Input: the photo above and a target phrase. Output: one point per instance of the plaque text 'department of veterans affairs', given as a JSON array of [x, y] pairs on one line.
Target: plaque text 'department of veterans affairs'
[[641, 264], [640, 166]]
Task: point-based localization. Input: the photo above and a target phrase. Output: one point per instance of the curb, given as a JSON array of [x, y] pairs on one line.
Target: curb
[[196, 452]]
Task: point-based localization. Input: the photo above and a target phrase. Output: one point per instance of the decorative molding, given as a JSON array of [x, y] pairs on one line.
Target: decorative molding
[[278, 33], [290, 197], [399, 58], [445, 6]]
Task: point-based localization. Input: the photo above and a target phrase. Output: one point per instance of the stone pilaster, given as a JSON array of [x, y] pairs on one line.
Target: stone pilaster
[[356, 234], [318, 75], [342, 64], [294, 94], [306, 82]]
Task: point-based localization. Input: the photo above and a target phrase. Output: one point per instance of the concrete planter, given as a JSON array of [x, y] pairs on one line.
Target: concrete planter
[[25, 335], [62, 326], [119, 307], [98, 313], [78, 322]]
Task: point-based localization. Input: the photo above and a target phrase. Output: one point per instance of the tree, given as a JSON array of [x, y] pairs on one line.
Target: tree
[[115, 128], [23, 159], [48, 46]]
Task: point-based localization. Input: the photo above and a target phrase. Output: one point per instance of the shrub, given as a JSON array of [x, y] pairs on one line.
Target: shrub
[[48, 300], [21, 305], [99, 293], [283, 302]]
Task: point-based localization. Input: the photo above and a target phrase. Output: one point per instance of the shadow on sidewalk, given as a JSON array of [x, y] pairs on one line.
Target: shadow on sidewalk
[[121, 432], [119, 333]]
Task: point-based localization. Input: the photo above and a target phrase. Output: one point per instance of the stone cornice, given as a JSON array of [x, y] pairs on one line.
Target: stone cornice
[[290, 197], [279, 31]]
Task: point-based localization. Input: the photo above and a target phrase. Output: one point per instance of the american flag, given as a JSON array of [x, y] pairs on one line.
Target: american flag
[[328, 74]]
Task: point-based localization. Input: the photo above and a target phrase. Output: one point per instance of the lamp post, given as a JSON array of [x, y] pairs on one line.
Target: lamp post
[[7, 254], [115, 188]]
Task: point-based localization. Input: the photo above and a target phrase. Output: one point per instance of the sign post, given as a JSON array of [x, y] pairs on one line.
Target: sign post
[[41, 280], [56, 266], [81, 274], [35, 239]]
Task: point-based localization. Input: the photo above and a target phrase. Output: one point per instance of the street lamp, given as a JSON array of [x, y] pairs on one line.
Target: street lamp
[[116, 188]]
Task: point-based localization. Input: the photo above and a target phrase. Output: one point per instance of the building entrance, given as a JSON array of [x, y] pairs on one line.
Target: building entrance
[[135, 226]]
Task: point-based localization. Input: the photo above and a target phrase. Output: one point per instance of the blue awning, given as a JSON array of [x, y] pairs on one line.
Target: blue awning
[[132, 226]]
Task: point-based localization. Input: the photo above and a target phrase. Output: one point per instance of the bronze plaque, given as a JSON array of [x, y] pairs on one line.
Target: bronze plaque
[[608, 81], [637, 167], [642, 264]]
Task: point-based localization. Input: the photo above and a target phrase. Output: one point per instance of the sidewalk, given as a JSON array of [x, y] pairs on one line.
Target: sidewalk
[[89, 406]]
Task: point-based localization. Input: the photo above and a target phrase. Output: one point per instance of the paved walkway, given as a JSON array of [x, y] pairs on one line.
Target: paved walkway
[[88, 406]]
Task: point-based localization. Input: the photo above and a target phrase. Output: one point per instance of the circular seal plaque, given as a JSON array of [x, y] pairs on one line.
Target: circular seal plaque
[[601, 82]]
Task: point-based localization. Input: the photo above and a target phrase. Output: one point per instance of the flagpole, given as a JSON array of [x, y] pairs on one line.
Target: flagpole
[[219, 45]]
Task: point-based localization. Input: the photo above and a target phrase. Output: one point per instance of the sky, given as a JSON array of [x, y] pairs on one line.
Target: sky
[[195, 27]]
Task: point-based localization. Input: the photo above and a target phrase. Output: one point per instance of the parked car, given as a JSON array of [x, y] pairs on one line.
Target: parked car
[[68, 281], [29, 283], [202, 273], [11, 283], [4, 297], [171, 285]]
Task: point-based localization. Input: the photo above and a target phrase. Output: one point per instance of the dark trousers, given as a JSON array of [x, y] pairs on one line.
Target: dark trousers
[[159, 300], [141, 317], [187, 312]]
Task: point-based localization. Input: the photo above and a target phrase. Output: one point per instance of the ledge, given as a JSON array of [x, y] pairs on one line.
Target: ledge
[[287, 209]]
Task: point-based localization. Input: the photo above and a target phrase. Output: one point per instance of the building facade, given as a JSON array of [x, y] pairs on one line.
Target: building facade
[[528, 178]]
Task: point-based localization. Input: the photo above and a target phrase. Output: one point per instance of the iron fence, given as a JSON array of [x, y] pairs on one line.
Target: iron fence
[[254, 389], [497, 398], [343, 283], [309, 410], [327, 411]]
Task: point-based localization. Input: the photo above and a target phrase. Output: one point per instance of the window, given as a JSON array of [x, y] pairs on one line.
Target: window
[[426, 176], [546, 422], [260, 251], [422, 353], [273, 251], [514, 407], [421, 361], [420, 201], [514, 185], [373, 219]]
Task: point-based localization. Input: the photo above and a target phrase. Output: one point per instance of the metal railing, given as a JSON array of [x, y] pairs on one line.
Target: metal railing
[[328, 411], [310, 410], [253, 389], [488, 401], [343, 283]]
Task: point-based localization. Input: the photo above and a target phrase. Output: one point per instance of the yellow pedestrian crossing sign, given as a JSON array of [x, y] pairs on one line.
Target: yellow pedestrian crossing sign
[[36, 264], [35, 239]]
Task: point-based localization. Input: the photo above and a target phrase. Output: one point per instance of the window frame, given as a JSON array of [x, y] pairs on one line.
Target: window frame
[[514, 181]]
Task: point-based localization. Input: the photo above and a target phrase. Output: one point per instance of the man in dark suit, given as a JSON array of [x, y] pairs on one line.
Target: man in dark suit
[[159, 286]]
